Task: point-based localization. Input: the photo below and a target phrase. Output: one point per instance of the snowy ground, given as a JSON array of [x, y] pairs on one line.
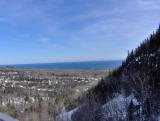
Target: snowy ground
[[116, 107], [66, 116], [5, 117]]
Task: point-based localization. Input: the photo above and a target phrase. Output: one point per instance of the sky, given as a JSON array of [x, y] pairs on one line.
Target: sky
[[44, 31]]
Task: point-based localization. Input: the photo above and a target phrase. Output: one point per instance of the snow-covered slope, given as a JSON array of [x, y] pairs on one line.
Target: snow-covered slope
[[5, 117], [66, 116], [117, 107]]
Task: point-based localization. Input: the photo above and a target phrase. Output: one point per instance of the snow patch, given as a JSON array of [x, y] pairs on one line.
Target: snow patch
[[5, 117], [117, 107], [66, 116]]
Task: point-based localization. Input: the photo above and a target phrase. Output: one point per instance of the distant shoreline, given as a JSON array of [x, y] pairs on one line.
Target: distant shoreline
[[68, 65]]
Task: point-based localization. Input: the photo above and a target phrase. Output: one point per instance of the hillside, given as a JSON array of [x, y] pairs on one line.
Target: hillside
[[130, 92]]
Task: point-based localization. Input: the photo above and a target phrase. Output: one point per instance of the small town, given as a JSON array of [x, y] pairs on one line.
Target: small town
[[27, 92]]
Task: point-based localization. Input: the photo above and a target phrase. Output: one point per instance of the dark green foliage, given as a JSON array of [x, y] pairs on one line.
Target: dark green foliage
[[104, 89], [138, 74], [146, 59]]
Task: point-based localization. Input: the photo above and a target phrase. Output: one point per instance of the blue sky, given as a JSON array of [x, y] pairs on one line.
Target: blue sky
[[40, 31]]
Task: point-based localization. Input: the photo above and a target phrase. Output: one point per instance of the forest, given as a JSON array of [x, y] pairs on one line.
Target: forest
[[131, 92]]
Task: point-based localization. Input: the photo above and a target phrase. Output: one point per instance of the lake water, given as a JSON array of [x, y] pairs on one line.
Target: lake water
[[73, 65]]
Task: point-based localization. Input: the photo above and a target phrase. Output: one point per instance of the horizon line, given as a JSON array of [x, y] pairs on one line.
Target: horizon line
[[61, 62]]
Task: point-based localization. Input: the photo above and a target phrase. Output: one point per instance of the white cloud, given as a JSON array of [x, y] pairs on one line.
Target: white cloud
[[149, 4], [101, 27]]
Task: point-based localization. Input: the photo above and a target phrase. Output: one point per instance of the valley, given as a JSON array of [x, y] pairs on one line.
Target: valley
[[41, 94]]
